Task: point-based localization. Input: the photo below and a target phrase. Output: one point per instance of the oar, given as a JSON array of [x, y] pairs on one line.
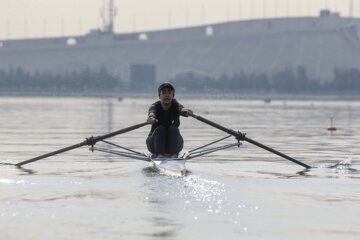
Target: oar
[[241, 137], [88, 141]]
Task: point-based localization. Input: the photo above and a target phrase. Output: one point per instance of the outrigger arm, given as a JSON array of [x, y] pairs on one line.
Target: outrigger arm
[[196, 152]]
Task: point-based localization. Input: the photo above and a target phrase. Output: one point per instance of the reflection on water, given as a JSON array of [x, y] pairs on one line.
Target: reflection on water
[[243, 192], [26, 170]]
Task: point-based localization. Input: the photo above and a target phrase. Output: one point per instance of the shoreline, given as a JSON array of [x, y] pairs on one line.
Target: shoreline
[[267, 97]]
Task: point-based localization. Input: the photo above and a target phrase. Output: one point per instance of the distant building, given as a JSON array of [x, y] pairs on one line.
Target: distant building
[[319, 44]]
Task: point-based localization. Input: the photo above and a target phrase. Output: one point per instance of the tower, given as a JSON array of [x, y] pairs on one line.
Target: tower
[[351, 8], [108, 14]]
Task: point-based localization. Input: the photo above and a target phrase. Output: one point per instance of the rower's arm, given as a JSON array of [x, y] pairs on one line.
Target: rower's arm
[[152, 111], [184, 111]]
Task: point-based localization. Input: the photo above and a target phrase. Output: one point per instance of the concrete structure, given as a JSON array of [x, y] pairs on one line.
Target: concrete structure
[[319, 44]]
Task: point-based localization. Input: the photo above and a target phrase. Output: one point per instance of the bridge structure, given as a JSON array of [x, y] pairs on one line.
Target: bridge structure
[[319, 44]]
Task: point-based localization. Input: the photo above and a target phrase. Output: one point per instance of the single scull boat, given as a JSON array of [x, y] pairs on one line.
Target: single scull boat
[[176, 163]]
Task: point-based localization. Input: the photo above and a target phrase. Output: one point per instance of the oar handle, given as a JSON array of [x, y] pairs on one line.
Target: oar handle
[[241, 137], [89, 141]]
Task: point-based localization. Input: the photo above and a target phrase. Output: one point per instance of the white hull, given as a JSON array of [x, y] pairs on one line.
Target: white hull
[[173, 166]]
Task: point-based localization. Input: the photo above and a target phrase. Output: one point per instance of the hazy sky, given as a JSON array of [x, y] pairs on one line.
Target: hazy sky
[[47, 18]]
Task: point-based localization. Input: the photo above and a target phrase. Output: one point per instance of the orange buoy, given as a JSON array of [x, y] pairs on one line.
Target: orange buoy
[[331, 127]]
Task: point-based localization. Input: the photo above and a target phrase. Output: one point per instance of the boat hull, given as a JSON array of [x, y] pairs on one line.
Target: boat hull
[[168, 165]]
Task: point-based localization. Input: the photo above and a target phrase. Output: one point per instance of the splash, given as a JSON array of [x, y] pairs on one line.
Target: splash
[[344, 166], [7, 164]]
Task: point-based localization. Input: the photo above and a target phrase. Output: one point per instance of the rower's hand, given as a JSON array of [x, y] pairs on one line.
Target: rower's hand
[[189, 112], [151, 120]]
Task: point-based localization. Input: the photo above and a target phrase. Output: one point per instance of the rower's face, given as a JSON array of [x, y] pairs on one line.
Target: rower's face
[[166, 95]]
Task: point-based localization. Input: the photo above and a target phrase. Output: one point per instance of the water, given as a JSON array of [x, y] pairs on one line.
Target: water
[[237, 193]]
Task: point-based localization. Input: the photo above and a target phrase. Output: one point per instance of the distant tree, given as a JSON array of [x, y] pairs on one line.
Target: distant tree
[[302, 81], [18, 79], [284, 81], [346, 80]]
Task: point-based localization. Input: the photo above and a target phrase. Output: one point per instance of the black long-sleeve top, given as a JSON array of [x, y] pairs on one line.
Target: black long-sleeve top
[[168, 117]]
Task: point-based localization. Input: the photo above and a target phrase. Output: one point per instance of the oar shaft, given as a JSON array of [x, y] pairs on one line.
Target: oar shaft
[[241, 136], [218, 126], [276, 152], [121, 131], [51, 154], [89, 141]]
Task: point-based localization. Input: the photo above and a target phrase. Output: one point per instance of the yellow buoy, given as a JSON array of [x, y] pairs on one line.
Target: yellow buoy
[[331, 127]]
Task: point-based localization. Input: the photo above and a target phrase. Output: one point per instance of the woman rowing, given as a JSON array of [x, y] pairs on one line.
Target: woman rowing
[[164, 138]]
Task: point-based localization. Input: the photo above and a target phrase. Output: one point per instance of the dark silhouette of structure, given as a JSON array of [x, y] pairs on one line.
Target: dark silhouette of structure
[[319, 44]]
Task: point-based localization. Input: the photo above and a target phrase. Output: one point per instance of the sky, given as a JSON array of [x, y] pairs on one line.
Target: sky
[[52, 18]]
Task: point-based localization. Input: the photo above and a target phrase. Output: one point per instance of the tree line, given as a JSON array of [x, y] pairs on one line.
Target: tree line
[[75, 81], [285, 81]]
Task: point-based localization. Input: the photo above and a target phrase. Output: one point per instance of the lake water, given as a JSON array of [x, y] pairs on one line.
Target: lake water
[[244, 192]]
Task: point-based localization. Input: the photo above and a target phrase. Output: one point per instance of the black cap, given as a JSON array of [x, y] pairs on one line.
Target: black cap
[[164, 85]]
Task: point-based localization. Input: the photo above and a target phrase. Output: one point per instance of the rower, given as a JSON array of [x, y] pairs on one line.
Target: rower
[[164, 138]]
